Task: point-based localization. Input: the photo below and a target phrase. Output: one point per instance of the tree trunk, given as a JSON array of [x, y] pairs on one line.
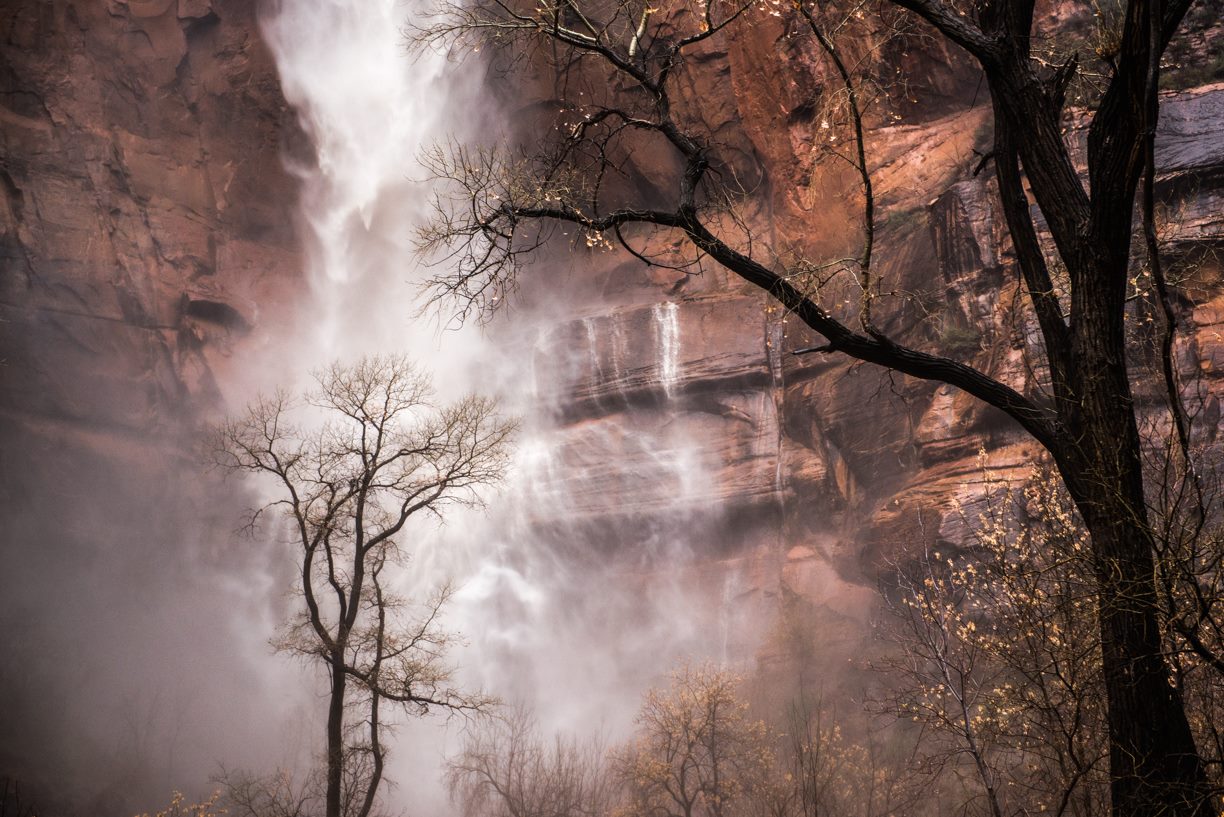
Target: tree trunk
[[1155, 768], [335, 737]]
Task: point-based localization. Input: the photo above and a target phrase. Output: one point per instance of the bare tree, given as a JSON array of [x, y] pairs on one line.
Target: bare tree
[[11, 802], [508, 769], [999, 665], [821, 772], [279, 794], [945, 682], [625, 72], [181, 806], [1190, 575], [380, 454], [697, 752]]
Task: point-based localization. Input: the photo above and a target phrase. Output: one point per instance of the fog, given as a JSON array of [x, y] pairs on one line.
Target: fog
[[138, 614], [135, 656], [569, 604]]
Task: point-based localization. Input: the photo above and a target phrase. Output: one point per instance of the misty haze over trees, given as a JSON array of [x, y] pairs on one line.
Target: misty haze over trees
[[498, 565]]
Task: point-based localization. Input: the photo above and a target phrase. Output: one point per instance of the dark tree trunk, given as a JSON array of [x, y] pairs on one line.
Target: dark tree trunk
[[1090, 428], [1155, 768], [335, 737]]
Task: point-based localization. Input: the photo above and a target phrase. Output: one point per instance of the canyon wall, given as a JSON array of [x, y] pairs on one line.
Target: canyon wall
[[147, 222], [826, 471], [148, 244]]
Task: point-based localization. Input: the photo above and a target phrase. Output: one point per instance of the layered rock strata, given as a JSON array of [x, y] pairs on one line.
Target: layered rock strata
[[818, 466], [147, 243]]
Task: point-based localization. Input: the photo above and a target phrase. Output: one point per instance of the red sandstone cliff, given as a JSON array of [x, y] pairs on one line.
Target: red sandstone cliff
[[146, 234], [146, 221], [823, 469]]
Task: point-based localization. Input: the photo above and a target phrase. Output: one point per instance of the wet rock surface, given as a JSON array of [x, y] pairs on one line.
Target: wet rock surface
[[869, 467], [147, 221], [147, 242], [146, 238]]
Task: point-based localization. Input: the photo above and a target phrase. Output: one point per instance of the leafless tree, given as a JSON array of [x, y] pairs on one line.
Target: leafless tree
[[11, 802], [181, 806], [697, 752], [279, 794], [822, 772], [507, 768], [1190, 575], [999, 663], [625, 71], [351, 465], [944, 681]]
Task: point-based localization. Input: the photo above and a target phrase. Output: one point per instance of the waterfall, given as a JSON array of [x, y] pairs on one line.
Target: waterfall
[[370, 109], [592, 341], [571, 600]]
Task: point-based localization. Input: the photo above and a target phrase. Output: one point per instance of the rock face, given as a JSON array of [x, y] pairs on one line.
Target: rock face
[[146, 240], [817, 466], [146, 223]]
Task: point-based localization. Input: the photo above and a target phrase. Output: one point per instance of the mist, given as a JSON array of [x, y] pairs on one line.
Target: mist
[[139, 612], [576, 590], [880, 588], [136, 624]]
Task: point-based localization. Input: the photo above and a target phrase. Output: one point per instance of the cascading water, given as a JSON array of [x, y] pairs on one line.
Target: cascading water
[[666, 318], [369, 111], [573, 597]]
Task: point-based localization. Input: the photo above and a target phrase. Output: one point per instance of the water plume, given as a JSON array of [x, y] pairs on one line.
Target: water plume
[[580, 586]]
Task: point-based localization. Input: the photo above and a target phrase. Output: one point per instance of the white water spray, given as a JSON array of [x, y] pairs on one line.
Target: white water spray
[[370, 110], [573, 596]]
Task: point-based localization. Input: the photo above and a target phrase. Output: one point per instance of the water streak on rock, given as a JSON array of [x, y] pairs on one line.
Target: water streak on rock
[[668, 328]]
